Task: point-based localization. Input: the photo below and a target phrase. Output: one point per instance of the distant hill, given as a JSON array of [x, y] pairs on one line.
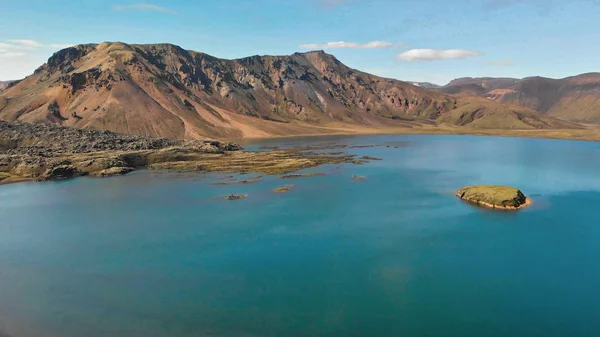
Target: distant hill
[[426, 85], [4, 85], [488, 83], [575, 99], [163, 90]]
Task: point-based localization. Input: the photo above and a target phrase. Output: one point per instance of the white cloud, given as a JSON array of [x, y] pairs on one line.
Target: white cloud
[[26, 44], [23, 46], [348, 45], [11, 54], [144, 7], [59, 45], [20, 57], [435, 55], [502, 63]]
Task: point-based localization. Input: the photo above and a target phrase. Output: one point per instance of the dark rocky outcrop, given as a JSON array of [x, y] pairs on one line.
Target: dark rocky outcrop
[[60, 173], [45, 152], [47, 140]]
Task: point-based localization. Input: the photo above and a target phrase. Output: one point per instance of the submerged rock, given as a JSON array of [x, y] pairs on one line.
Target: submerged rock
[[495, 197], [370, 158], [241, 182], [235, 196], [305, 175], [284, 189]]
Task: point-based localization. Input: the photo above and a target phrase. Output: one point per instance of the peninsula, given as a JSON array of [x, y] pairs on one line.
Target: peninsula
[[41, 152]]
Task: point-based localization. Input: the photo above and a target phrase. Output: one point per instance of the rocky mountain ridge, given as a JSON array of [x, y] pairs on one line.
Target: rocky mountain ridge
[[163, 90]]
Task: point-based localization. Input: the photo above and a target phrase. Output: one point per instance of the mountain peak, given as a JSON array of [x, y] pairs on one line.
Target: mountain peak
[[319, 52]]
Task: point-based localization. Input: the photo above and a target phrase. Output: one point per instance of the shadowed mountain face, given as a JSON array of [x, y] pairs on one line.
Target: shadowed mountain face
[[575, 99], [163, 90]]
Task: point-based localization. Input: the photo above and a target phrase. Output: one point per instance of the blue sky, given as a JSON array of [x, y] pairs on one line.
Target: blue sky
[[412, 40]]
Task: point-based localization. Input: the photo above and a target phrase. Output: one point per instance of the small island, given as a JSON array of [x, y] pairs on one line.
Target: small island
[[284, 189], [495, 197]]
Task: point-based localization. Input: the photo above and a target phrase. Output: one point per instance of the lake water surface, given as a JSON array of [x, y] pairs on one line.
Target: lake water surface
[[397, 254]]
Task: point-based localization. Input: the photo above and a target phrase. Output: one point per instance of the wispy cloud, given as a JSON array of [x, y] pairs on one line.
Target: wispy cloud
[[29, 44], [543, 6], [17, 48], [502, 63], [435, 55], [332, 2], [144, 7], [499, 4], [59, 45], [348, 45], [9, 54]]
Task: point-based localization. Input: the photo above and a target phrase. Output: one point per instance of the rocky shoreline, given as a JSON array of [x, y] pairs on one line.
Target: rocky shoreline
[[40, 152]]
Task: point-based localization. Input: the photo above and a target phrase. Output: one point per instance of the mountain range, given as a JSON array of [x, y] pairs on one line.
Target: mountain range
[[575, 99], [166, 91]]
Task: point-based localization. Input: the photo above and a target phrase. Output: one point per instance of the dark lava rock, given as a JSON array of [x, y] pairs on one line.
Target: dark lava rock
[[42, 140], [60, 173]]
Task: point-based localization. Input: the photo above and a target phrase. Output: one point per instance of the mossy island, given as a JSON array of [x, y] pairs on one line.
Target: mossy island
[[494, 197]]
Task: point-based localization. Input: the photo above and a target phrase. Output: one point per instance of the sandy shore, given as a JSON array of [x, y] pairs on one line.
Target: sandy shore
[[14, 181], [590, 133]]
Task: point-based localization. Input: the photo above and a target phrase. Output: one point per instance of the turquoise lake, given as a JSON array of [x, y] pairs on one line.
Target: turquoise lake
[[397, 254]]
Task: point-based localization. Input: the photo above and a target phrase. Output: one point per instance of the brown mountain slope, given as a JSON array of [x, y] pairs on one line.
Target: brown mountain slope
[[163, 90], [482, 113], [574, 98]]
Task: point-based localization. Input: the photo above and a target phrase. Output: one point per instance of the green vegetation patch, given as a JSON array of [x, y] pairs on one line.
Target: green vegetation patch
[[500, 196]]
